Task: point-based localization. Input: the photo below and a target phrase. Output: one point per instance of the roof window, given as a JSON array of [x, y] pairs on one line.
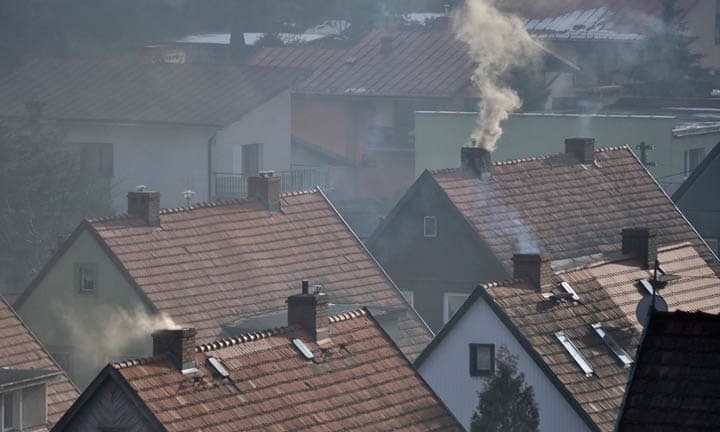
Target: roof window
[[614, 347], [573, 351]]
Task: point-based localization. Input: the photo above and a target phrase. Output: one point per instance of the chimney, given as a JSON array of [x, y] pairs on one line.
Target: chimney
[[390, 25], [266, 187], [583, 149], [476, 159], [641, 242], [535, 267], [310, 311], [145, 205], [179, 344]]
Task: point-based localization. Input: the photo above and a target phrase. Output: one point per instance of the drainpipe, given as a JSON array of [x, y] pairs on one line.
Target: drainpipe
[[211, 144]]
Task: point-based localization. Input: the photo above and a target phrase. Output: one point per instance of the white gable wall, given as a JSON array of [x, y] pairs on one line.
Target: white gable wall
[[447, 371]]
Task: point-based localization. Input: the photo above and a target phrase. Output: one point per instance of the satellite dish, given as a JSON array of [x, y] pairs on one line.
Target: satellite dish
[[643, 308]]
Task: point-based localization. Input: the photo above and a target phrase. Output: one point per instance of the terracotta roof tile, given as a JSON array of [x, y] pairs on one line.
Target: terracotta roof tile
[[211, 264], [360, 382], [675, 382], [21, 350]]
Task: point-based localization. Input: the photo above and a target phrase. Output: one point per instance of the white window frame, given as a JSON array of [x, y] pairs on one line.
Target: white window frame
[[409, 296], [446, 303], [426, 219]]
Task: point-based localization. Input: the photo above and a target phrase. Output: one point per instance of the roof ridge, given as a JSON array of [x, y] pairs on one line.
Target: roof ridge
[[276, 331], [532, 158], [138, 361], [205, 204], [300, 192], [504, 283]]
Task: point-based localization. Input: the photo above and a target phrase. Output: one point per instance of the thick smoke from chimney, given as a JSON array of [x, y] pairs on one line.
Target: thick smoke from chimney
[[497, 42]]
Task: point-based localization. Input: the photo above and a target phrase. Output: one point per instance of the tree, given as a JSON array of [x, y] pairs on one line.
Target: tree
[[46, 188], [507, 403], [666, 66]]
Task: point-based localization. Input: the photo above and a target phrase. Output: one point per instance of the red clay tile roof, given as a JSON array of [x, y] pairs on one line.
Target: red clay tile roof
[[675, 384], [359, 382], [21, 350], [555, 205], [132, 90], [420, 64], [212, 264]]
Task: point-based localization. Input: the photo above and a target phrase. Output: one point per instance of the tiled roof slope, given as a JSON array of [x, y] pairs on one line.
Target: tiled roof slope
[[135, 90], [21, 350], [609, 294], [419, 64], [309, 58], [556, 205], [360, 382], [212, 264], [675, 384]]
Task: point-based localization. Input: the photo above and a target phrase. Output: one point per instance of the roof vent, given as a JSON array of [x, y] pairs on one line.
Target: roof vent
[[574, 353], [569, 291], [304, 350], [614, 347], [218, 367]]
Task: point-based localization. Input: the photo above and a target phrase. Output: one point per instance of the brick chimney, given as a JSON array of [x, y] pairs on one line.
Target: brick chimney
[[534, 267], [475, 159], [266, 187], [310, 311], [145, 205], [179, 344], [583, 149], [641, 242]]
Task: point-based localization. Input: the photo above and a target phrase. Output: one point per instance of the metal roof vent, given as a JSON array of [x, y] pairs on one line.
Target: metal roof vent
[[575, 354], [304, 350], [218, 367], [614, 347], [570, 291]]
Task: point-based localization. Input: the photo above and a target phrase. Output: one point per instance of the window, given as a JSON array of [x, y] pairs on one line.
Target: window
[[24, 408], [251, 159], [693, 157], [97, 158], [409, 296], [11, 411], [453, 301], [482, 359], [86, 275], [430, 226]]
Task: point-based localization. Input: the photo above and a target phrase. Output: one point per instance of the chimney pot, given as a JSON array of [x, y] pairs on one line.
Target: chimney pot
[[534, 267], [179, 344], [641, 242], [266, 187], [311, 312], [475, 159], [145, 205], [583, 149]]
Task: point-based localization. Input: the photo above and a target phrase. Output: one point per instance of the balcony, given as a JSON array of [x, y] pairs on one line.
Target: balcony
[[234, 185]]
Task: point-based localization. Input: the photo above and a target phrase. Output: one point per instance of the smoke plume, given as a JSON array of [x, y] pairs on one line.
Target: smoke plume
[[497, 42]]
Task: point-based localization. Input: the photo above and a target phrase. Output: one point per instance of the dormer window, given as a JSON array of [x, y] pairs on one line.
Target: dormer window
[[24, 398]]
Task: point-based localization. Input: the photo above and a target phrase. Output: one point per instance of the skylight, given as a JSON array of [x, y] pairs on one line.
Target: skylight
[[218, 367], [579, 359], [304, 350], [647, 285], [569, 289], [614, 347]]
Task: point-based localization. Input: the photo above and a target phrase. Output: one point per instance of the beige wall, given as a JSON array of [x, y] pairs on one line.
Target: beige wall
[[93, 328]]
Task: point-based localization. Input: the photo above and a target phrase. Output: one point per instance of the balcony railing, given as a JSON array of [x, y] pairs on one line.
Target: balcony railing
[[234, 185]]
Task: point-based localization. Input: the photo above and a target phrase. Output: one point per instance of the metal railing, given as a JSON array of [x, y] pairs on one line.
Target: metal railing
[[234, 185]]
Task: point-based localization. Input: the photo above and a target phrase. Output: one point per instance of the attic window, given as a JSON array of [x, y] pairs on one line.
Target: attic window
[[569, 289], [86, 276], [614, 347], [24, 408], [430, 226], [482, 359], [574, 353]]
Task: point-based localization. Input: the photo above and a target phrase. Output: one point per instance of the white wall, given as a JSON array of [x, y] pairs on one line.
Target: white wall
[[268, 124], [448, 373], [166, 158]]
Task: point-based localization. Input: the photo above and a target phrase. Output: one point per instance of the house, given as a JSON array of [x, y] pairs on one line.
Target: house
[[455, 228], [218, 267], [163, 123], [34, 390], [697, 198], [670, 143], [575, 328], [317, 372], [673, 385]]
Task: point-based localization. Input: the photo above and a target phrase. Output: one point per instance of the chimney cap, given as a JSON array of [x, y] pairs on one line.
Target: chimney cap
[[266, 173]]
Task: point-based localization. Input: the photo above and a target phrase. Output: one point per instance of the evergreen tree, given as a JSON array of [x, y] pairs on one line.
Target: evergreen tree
[[507, 404], [666, 66]]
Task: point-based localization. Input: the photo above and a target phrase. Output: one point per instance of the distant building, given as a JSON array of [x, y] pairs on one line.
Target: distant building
[[219, 267], [674, 383], [34, 390], [573, 327], [320, 372], [672, 144], [458, 227], [162, 123], [698, 198]]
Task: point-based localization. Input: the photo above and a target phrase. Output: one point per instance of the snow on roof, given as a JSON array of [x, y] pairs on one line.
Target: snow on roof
[[250, 38]]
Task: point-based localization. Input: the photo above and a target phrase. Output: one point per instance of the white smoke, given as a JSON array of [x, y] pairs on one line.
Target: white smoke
[[498, 43]]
